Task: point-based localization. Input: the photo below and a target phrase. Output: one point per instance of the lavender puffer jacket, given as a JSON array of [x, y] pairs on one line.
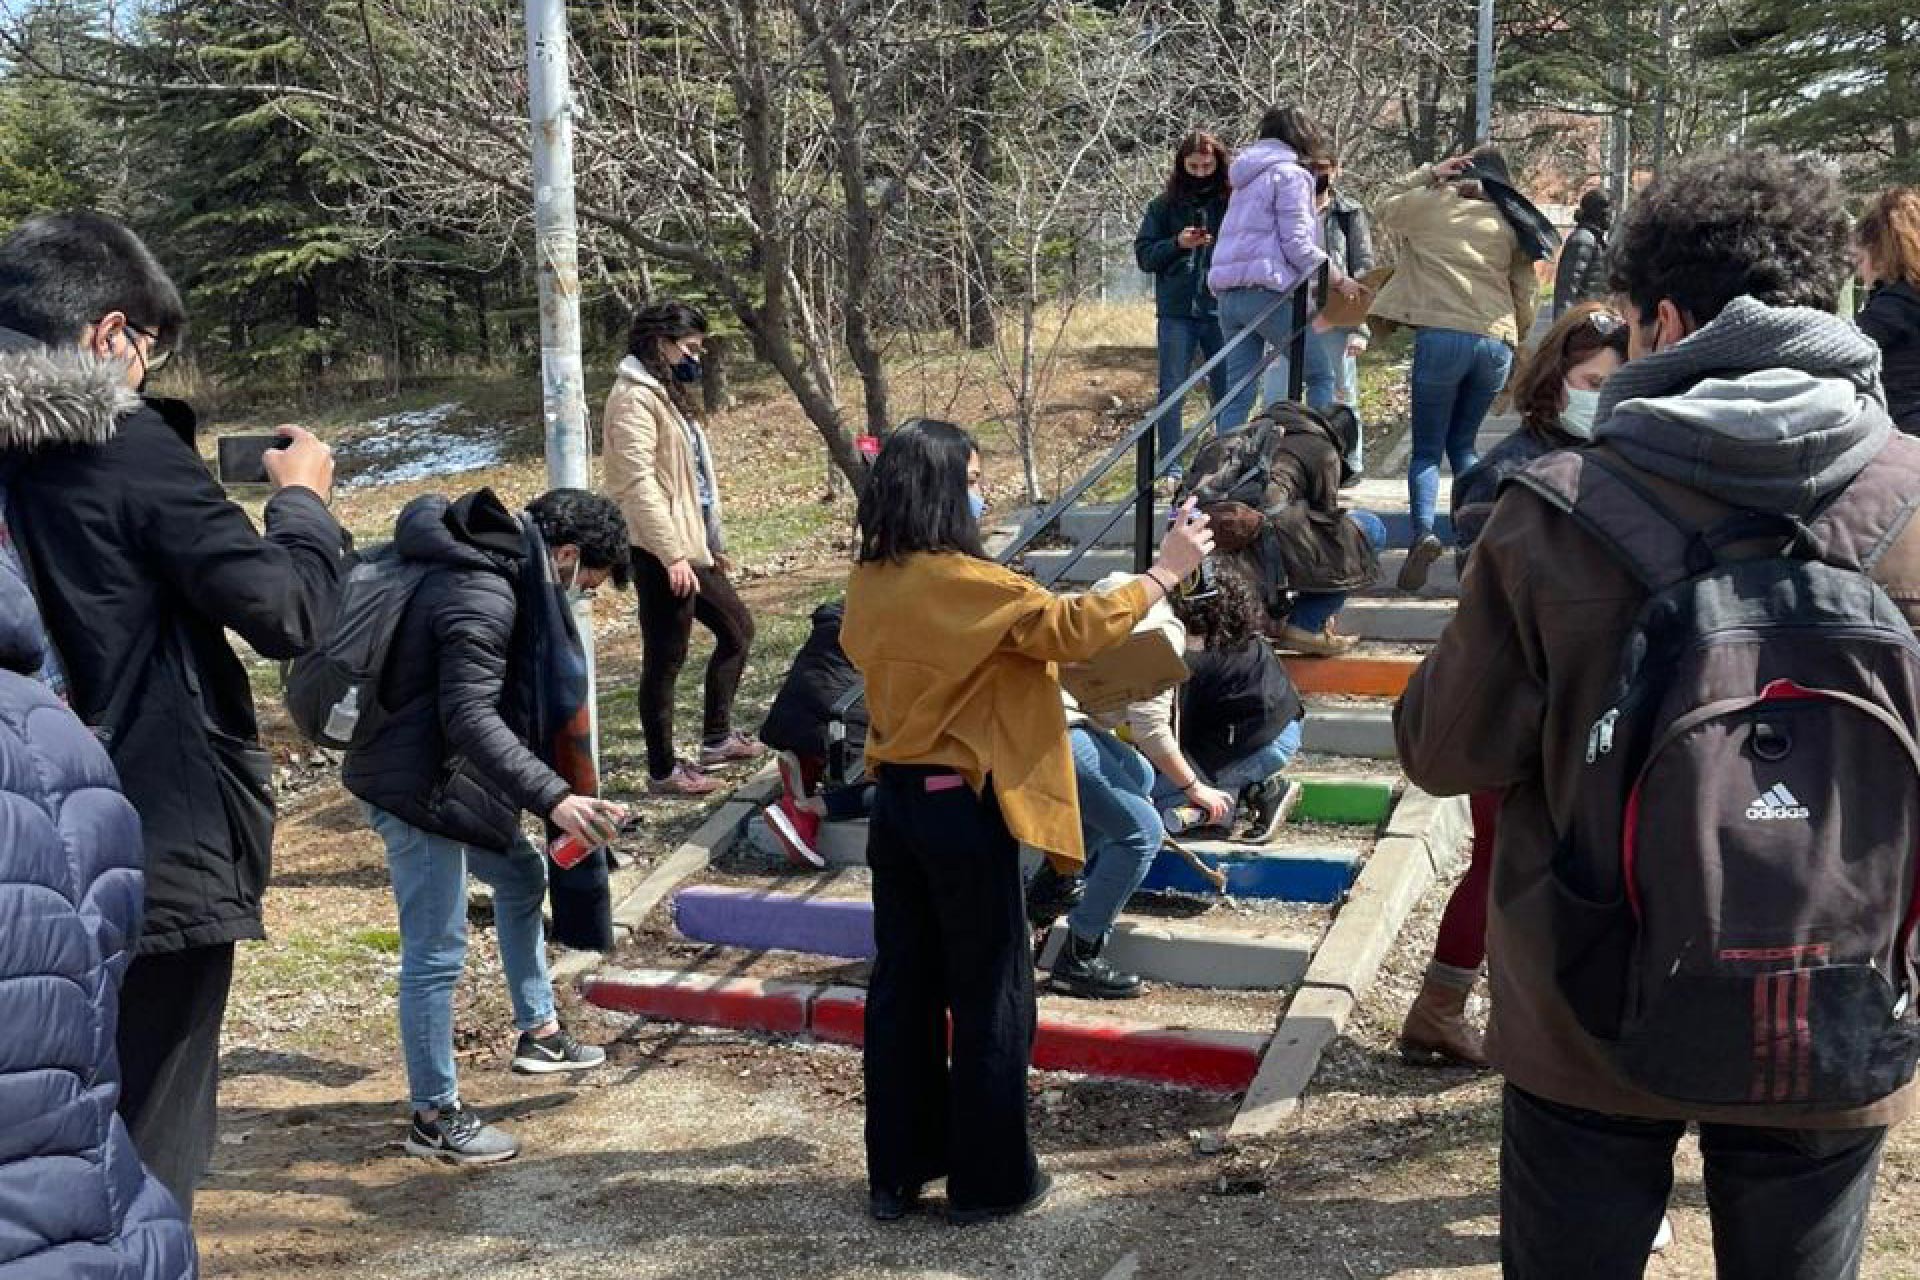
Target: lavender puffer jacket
[[1271, 236]]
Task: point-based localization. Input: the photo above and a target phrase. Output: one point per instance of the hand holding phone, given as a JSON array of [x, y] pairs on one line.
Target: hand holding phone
[[243, 458]]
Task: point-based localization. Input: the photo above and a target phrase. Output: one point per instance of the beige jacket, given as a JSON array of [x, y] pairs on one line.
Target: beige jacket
[[648, 468], [1460, 265]]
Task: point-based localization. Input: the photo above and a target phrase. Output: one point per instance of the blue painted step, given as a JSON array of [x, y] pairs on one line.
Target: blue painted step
[[1311, 875]]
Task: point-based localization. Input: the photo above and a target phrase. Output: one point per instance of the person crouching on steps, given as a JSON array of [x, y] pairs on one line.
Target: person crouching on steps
[[1116, 782], [968, 738], [447, 776], [660, 470]]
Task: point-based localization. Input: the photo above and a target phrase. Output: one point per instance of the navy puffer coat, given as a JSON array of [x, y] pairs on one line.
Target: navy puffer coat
[[75, 1202]]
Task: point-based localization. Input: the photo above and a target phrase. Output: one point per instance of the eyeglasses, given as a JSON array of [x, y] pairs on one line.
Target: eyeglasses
[[153, 357]]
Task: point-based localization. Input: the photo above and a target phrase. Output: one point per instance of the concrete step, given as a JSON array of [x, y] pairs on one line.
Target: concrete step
[[1083, 523], [1161, 951], [1350, 729], [1443, 582], [1396, 619], [1323, 798]]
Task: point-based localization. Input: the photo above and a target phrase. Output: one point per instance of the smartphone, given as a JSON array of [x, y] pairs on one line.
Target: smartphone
[[243, 458]]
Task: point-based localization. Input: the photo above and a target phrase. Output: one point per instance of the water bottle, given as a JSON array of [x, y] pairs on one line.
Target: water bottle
[[344, 718]]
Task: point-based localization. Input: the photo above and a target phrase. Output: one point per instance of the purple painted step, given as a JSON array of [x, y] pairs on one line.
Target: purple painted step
[[760, 920]]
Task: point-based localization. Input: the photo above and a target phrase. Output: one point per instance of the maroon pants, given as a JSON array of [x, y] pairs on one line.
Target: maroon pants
[[1463, 926]]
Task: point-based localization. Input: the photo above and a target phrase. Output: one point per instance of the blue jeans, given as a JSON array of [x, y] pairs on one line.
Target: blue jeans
[[1455, 379], [1344, 383], [1180, 340], [1238, 310], [1121, 824], [1316, 388], [1256, 766], [1312, 610], [430, 885]]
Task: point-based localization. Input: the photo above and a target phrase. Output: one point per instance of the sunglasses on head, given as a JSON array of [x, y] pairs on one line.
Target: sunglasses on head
[[1605, 323]]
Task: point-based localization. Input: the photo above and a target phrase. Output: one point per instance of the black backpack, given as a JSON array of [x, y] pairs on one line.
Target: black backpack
[[333, 692], [1733, 904], [1234, 702]]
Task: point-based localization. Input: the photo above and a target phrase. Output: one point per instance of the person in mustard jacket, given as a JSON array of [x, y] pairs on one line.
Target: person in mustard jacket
[[660, 470], [968, 736]]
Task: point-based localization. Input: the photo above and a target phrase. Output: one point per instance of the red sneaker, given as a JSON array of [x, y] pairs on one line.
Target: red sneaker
[[796, 830]]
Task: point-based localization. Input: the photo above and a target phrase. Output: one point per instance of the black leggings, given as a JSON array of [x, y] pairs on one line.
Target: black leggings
[[666, 624]]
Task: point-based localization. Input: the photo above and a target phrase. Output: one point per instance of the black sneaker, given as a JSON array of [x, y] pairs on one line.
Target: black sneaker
[[549, 1055], [458, 1136], [1079, 971], [970, 1217], [1265, 804]]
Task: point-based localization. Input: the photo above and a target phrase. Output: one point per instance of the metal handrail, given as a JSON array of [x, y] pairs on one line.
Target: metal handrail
[[1149, 466]]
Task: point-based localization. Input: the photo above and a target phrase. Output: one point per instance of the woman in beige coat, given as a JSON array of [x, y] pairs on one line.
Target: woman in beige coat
[[658, 467]]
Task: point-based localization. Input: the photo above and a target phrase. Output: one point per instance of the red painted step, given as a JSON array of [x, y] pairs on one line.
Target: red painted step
[[1221, 1061]]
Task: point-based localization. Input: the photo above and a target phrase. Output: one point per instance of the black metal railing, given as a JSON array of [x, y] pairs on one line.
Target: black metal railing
[[1142, 440]]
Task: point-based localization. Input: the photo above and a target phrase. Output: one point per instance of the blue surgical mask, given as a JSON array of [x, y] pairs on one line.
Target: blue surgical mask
[[976, 503], [1582, 407], [687, 369]]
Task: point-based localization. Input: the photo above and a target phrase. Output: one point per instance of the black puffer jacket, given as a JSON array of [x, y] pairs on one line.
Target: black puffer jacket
[[1582, 273], [452, 757], [141, 566], [820, 676], [1892, 319]]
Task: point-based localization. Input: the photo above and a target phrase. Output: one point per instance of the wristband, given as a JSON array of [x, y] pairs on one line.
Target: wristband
[[1166, 589]]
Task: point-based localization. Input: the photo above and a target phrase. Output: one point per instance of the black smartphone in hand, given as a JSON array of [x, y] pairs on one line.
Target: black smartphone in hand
[[242, 459]]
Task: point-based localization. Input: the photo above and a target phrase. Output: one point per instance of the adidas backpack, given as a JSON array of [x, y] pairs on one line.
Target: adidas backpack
[[333, 692], [1734, 902]]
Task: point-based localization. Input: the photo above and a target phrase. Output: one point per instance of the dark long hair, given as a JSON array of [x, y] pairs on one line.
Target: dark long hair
[[915, 498], [1293, 126], [1181, 184], [672, 320]]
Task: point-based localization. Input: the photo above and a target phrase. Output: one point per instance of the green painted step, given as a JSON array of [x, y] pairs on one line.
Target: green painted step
[[1352, 801]]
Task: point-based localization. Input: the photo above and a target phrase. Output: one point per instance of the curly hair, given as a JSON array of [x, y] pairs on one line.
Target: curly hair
[[1227, 617], [672, 320], [1575, 336], [1890, 231], [1761, 223], [589, 521]]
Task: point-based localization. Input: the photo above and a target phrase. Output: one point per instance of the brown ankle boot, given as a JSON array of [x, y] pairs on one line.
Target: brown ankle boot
[[1437, 1033]]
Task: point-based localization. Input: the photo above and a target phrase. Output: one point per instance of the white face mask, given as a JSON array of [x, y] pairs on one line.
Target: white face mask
[[1582, 407]]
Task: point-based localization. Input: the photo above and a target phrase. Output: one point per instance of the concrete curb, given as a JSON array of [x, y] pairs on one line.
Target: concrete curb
[[1221, 1061], [637, 892], [1399, 871]]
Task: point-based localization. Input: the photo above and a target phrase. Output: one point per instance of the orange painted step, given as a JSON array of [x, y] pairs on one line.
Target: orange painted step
[[1361, 677]]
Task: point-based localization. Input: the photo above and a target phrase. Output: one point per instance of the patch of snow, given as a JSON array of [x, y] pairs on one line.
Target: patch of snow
[[415, 445]]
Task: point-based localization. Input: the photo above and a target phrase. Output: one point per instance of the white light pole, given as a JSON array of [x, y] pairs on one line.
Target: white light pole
[[1483, 76], [556, 244]]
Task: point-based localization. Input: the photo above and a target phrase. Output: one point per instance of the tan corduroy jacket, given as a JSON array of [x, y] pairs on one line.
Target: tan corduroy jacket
[[1460, 265], [959, 658], [648, 469]]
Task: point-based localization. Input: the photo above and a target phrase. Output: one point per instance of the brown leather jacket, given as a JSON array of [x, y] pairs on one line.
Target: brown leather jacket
[[1504, 703]]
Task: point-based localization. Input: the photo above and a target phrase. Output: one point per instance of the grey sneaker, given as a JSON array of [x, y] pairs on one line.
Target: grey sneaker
[[549, 1055], [1420, 558], [458, 1136]]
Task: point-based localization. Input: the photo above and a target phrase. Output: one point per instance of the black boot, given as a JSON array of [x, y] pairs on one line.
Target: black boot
[[1079, 971]]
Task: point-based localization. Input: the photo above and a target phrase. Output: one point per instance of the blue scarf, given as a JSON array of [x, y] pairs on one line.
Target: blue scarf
[[553, 677]]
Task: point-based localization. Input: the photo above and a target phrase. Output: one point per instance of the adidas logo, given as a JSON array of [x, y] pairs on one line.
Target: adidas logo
[[1776, 804]]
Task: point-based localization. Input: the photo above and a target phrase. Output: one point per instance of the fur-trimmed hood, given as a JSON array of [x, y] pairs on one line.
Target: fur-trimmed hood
[[50, 397]]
